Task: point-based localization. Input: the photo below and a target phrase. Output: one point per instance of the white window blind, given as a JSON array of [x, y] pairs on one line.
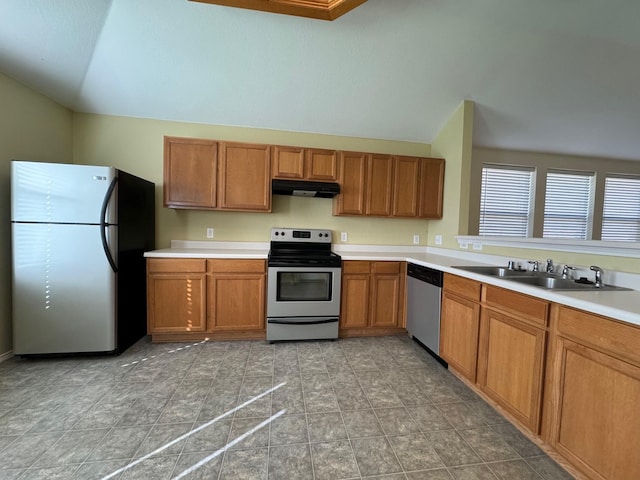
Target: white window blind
[[621, 211], [568, 205], [506, 201]]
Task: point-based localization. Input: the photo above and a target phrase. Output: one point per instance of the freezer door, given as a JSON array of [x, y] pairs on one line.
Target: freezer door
[[64, 297], [59, 193]]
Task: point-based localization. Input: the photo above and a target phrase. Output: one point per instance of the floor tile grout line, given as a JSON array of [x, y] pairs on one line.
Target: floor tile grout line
[[194, 423]]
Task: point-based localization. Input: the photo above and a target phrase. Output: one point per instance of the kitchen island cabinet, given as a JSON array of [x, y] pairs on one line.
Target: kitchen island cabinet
[[196, 299], [372, 301]]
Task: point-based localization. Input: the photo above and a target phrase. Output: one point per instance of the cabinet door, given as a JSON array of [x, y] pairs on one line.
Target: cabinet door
[[190, 171], [459, 326], [351, 177], [379, 185], [321, 165], [598, 421], [236, 301], [385, 300], [245, 177], [176, 303], [287, 162], [431, 188], [354, 306], [406, 186], [510, 365]]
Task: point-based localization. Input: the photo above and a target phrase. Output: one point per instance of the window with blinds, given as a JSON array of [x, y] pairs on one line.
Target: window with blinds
[[568, 205], [506, 201], [621, 211]]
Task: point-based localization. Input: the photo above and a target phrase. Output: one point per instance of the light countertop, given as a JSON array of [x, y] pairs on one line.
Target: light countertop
[[619, 305]]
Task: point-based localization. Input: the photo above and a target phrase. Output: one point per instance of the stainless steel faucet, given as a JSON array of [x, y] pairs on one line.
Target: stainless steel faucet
[[535, 267], [550, 268], [566, 271], [599, 272]]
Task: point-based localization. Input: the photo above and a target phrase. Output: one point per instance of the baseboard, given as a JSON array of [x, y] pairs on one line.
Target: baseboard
[[6, 356]]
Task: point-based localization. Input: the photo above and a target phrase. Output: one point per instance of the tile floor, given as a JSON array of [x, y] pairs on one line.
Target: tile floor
[[350, 409]]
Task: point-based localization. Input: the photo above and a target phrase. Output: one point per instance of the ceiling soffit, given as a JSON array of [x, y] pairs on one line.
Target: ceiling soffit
[[319, 9]]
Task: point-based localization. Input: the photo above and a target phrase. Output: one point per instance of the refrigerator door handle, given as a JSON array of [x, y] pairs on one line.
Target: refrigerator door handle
[[104, 225]]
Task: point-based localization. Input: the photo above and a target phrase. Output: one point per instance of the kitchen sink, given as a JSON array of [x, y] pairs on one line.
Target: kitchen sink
[[539, 279], [496, 271]]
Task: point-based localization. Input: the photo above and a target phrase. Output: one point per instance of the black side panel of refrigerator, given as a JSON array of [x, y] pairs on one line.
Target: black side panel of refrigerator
[[136, 234]]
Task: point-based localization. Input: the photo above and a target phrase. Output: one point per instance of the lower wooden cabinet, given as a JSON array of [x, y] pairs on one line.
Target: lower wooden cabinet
[[593, 394], [510, 365], [176, 295], [236, 295], [460, 324], [459, 327], [373, 297], [198, 298]]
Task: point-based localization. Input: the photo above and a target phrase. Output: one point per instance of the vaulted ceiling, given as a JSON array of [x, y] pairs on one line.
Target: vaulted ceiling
[[546, 75]]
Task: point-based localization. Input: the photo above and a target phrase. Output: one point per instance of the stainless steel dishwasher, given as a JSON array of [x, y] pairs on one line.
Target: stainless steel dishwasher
[[424, 297]]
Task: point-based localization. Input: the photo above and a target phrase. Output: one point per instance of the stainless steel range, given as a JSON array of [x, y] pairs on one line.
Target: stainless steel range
[[303, 288]]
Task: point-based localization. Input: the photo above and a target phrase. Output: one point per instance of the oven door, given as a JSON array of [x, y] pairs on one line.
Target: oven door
[[303, 292]]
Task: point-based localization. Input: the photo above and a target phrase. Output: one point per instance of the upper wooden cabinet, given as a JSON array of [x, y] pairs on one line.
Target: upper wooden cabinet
[[210, 175], [406, 186], [431, 188], [244, 177], [297, 163], [365, 184], [418, 187], [378, 190], [352, 174], [190, 173], [389, 186]]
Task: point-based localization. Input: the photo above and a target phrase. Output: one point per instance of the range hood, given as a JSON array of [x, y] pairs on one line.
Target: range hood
[[303, 188]]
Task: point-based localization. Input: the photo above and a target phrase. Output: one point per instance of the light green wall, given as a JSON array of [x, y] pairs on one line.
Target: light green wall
[[453, 143], [32, 127], [136, 145]]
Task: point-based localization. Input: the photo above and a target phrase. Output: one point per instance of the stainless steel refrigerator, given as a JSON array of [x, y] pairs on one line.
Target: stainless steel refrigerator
[[78, 237]]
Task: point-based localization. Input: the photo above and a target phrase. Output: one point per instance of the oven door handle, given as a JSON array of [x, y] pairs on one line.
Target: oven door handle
[[298, 322]]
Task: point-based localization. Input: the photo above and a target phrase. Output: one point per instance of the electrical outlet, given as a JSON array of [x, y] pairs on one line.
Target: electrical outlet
[[343, 236], [464, 245], [477, 246], [209, 232], [416, 239], [438, 239]]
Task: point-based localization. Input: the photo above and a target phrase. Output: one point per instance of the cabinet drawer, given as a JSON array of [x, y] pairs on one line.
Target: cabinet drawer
[[236, 266], [463, 287], [385, 267], [355, 266], [618, 339], [526, 307], [175, 265]]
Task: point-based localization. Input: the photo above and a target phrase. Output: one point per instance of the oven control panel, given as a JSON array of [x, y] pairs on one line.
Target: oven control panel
[[312, 235]]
